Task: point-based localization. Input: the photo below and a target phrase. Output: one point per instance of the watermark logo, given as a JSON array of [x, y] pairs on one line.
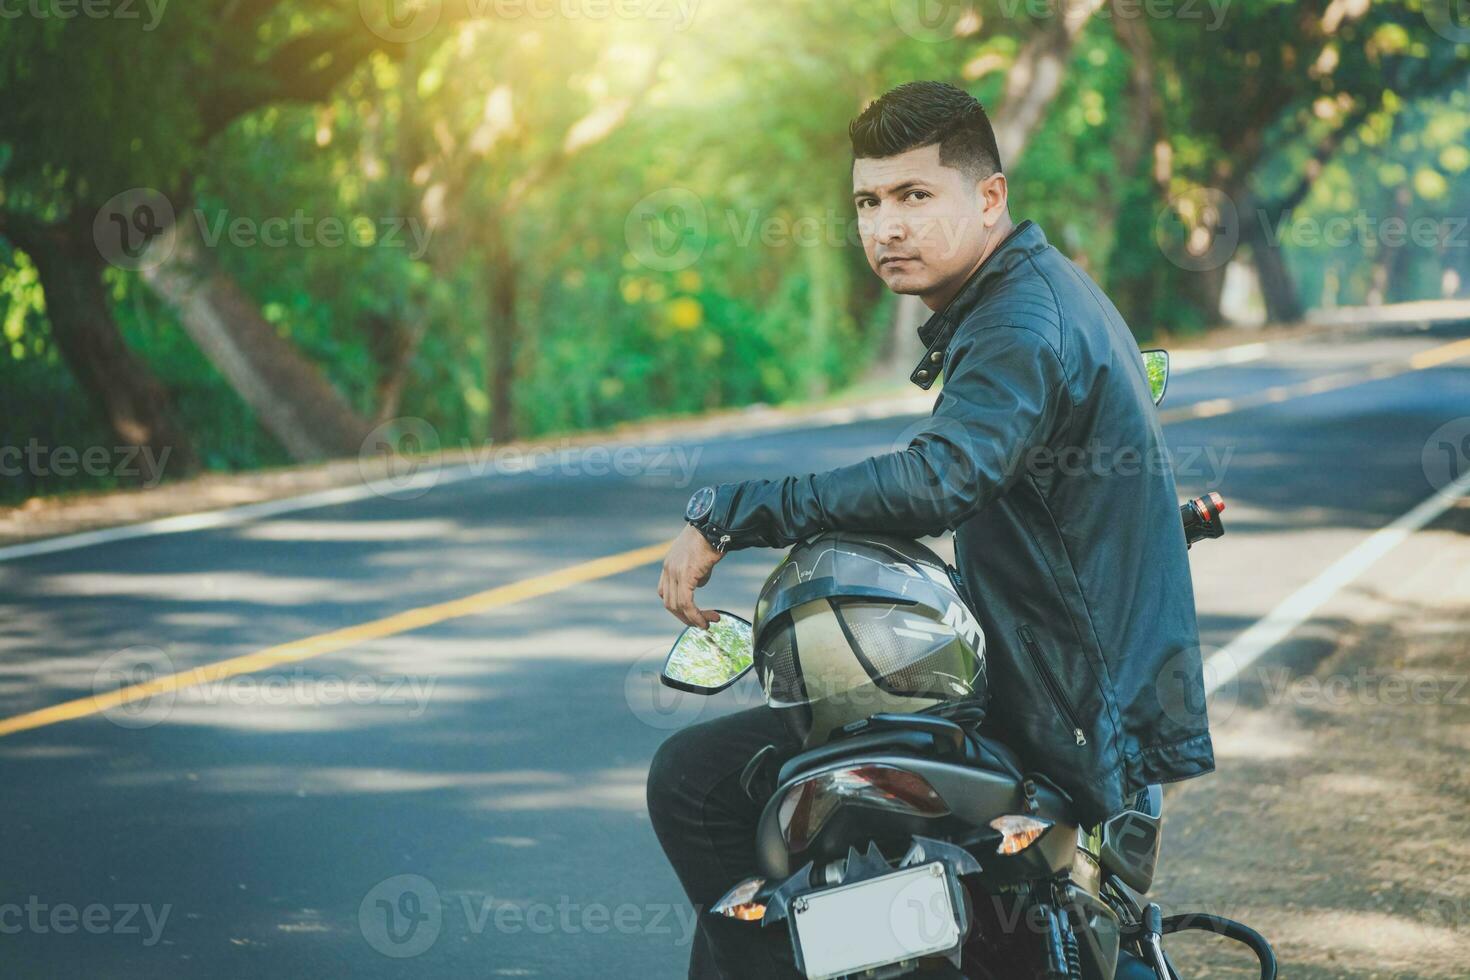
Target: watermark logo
[[401, 916], [126, 227], [1446, 456], [667, 230], [1197, 685], [920, 917], [1199, 230], [942, 470], [138, 671], [934, 21], [1450, 19], [400, 459], [655, 704], [401, 21]]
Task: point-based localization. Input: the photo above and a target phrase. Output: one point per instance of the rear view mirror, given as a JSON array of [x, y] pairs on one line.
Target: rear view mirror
[[1156, 363], [708, 661]]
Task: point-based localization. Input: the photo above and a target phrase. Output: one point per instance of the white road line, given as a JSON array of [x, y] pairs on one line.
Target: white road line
[[234, 516], [1227, 663]]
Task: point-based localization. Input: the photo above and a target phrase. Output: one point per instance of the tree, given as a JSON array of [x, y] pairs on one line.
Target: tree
[[209, 65], [1282, 82]]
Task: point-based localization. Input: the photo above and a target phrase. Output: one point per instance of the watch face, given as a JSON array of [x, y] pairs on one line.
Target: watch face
[[700, 504]]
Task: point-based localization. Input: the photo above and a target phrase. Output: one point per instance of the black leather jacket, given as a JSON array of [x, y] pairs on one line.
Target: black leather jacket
[[1045, 456]]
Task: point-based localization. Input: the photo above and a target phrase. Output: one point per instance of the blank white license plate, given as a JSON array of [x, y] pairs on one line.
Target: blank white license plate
[[871, 923]]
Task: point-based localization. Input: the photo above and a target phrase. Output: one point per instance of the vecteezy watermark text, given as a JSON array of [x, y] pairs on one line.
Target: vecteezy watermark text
[[132, 230], [401, 458], [402, 21], [39, 460], [1361, 228], [138, 687], [1210, 13], [96, 918], [403, 916], [90, 9], [305, 231]]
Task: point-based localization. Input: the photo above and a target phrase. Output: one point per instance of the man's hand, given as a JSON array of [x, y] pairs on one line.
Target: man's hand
[[686, 567]]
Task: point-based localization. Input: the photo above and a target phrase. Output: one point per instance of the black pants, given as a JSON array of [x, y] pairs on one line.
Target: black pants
[[706, 825]]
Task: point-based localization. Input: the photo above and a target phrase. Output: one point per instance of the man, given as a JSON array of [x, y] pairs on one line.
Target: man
[[1044, 455]]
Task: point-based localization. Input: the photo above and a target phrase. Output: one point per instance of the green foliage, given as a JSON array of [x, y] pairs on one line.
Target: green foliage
[[523, 151]]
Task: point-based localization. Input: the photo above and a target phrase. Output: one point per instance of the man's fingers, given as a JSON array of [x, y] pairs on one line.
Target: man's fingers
[[675, 602], [688, 611]]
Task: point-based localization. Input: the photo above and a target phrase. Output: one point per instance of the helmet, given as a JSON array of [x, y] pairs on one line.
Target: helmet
[[851, 624]]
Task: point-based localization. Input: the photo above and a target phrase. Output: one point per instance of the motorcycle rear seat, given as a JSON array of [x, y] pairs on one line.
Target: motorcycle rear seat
[[976, 750]]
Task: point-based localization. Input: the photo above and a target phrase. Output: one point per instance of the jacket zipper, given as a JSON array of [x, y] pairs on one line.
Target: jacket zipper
[[1052, 685]]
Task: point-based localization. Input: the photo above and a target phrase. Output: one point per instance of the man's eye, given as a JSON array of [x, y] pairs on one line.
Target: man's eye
[[866, 202], [919, 195]]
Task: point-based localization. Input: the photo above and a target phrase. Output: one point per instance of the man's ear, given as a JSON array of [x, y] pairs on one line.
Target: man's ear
[[995, 197]]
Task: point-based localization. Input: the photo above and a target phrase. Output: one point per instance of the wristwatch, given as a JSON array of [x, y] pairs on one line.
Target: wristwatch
[[697, 513]]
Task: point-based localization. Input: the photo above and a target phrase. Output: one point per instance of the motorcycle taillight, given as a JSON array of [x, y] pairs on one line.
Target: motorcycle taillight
[[810, 803]]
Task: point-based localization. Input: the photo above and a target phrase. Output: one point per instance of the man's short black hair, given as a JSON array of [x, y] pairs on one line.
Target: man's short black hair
[[923, 113]]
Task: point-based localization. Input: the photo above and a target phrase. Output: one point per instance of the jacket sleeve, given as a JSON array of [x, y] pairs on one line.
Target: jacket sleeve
[[1004, 394]]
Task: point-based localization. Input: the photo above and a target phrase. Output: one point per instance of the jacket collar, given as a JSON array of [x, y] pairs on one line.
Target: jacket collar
[[1025, 239]]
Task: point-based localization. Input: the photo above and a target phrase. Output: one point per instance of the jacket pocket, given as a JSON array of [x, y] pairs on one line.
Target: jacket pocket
[[1053, 686]]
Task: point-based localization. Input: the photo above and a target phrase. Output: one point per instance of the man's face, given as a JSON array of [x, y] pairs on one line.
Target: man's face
[[924, 226]]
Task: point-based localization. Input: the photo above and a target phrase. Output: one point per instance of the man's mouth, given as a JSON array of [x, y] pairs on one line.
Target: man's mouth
[[890, 259]]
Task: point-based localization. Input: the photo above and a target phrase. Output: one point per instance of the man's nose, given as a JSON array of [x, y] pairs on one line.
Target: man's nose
[[889, 228]]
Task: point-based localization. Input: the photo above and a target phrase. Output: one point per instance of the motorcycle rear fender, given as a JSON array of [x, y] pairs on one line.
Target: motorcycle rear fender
[[974, 797]]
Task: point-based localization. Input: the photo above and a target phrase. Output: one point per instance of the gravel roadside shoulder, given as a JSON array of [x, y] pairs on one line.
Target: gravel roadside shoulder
[[1335, 824]]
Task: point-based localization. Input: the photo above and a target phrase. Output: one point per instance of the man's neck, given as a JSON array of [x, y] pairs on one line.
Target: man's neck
[[938, 300]]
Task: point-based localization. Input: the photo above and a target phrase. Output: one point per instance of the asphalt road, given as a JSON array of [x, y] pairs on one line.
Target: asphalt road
[[261, 823]]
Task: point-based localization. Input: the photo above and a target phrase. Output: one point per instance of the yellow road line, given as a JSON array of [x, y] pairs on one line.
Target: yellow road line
[[1440, 355], [505, 595], [1433, 357], [315, 646]]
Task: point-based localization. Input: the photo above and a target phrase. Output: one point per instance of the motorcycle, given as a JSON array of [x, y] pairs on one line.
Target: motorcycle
[[911, 843]]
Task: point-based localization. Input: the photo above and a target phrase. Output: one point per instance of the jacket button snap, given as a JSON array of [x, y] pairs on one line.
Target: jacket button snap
[[936, 357], [922, 375]]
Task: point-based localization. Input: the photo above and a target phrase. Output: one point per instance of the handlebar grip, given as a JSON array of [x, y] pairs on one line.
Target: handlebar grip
[[1201, 517]]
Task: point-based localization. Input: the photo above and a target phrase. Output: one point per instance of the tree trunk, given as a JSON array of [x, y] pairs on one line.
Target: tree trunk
[[1278, 289], [1134, 277], [1036, 77], [1397, 287], [501, 333], [120, 385], [393, 345], [289, 395]]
